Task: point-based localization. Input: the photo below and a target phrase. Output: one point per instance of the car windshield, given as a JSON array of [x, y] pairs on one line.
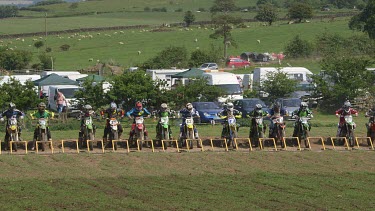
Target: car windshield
[[251, 103], [291, 102], [231, 88], [204, 65], [68, 92], [206, 105]]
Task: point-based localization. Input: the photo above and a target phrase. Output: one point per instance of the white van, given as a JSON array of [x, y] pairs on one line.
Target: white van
[[68, 91], [228, 82]]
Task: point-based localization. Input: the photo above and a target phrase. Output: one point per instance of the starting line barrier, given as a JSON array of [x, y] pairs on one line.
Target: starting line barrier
[[212, 143], [43, 142], [261, 140], [178, 149], [88, 144], [152, 144], [368, 139], [248, 139], [296, 138], [62, 145], [345, 139], [187, 144], [319, 138], [17, 142], [116, 141]]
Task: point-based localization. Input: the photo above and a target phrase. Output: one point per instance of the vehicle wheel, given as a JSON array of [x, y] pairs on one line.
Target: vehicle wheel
[[351, 138], [307, 134], [91, 137], [191, 144]]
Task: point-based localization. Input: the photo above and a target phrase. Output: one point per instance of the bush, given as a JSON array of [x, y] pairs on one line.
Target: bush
[[298, 48], [65, 47], [179, 10], [147, 9], [48, 49], [46, 61]]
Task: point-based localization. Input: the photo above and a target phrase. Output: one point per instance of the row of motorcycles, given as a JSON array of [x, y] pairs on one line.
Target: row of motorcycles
[[230, 124]]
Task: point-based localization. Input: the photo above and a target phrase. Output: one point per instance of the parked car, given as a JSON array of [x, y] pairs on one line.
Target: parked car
[[237, 63], [289, 104], [209, 66], [247, 105], [207, 111]]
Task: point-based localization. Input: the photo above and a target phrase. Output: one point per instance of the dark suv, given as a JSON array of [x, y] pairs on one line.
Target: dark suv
[[248, 104]]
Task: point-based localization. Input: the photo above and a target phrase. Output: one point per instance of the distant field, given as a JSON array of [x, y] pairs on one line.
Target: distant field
[[106, 45]]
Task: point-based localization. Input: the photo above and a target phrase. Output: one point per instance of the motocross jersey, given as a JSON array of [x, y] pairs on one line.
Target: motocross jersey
[[302, 113], [44, 114], [164, 113], [112, 113], [84, 114], [282, 112], [343, 113], [137, 113], [256, 113], [186, 113], [224, 113], [8, 113]]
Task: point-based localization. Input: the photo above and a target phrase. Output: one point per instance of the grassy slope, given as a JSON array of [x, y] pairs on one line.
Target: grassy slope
[[105, 48], [204, 181]]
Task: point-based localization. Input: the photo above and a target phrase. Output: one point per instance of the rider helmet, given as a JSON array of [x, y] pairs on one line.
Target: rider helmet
[[347, 106], [88, 107], [113, 106], [258, 107], [230, 105], [303, 105], [225, 106], [41, 106], [276, 105], [138, 106], [164, 106], [12, 106], [189, 106]]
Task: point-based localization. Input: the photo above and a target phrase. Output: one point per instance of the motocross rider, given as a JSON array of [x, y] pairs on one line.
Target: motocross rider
[[346, 109], [163, 112], [85, 112], [12, 111], [112, 112], [188, 111], [370, 113], [138, 111], [228, 108], [275, 112], [41, 113], [257, 112], [303, 111]]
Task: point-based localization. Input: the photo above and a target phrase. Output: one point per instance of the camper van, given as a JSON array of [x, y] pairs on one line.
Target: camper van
[[300, 74], [228, 82], [21, 78], [68, 91]]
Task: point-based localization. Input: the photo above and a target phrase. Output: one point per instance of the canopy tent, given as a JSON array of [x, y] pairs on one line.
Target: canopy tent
[[94, 78], [54, 79], [191, 73]]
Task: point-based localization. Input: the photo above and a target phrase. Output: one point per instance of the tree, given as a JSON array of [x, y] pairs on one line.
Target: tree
[[223, 6], [92, 94], [343, 78], [38, 44], [46, 61], [189, 18], [298, 48], [278, 85], [74, 5], [8, 11], [131, 87], [267, 13], [24, 96], [199, 56], [300, 11], [223, 22], [14, 60], [191, 92], [365, 21], [168, 58]]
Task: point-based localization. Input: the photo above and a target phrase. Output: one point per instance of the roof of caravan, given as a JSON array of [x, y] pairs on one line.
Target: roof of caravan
[[191, 73]]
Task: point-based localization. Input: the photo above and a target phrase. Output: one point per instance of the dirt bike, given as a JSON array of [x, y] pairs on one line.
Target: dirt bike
[[371, 129], [303, 129], [113, 132], [278, 132], [257, 130], [230, 125], [188, 132], [42, 131], [12, 129], [87, 130], [347, 130], [164, 129]]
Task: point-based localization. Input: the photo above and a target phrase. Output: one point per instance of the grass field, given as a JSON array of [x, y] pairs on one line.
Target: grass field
[[105, 45]]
